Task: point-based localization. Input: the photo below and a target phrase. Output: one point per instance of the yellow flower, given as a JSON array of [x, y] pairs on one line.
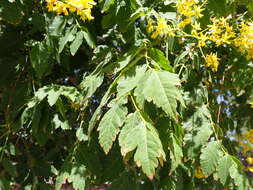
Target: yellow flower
[[186, 7], [249, 160], [81, 7], [220, 31], [250, 169], [245, 147], [251, 104], [190, 10], [150, 27], [162, 29], [202, 39], [199, 174], [249, 136], [185, 22], [212, 61], [196, 26], [161, 25], [197, 11], [50, 4], [245, 40]]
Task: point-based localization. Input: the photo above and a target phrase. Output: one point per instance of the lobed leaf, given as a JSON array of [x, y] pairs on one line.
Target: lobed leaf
[[130, 79], [209, 157], [223, 168], [76, 43], [176, 152], [141, 135], [41, 59], [161, 87], [198, 130], [110, 125]]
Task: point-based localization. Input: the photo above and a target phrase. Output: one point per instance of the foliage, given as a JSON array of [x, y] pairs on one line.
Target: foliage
[[134, 94]]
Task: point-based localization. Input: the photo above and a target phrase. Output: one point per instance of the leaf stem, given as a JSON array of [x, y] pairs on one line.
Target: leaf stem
[[137, 108]]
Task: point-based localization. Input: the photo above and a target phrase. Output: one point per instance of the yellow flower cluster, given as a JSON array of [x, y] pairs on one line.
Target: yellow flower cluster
[[246, 141], [212, 61], [81, 7], [249, 136], [160, 28], [245, 40], [188, 9], [246, 144], [250, 162], [220, 31], [251, 104]]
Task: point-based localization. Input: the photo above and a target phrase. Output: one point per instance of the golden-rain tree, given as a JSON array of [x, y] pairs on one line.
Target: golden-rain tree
[[135, 94]]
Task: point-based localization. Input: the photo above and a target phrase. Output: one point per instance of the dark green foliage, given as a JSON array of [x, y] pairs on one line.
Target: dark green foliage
[[101, 102]]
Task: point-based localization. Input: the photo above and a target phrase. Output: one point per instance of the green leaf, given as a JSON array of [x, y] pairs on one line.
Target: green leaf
[[239, 177], [223, 168], [158, 57], [90, 84], [161, 87], [88, 156], [11, 12], [98, 112], [69, 36], [70, 92], [219, 8], [181, 57], [176, 153], [130, 79], [5, 184], [12, 149], [106, 4], [74, 173], [41, 59], [81, 136], [77, 176], [199, 129], [141, 135], [57, 25], [176, 181], [209, 157], [60, 124], [89, 38], [126, 181], [42, 93], [76, 43], [61, 178], [250, 7], [7, 71], [102, 56], [110, 124], [128, 60], [9, 167], [53, 94], [142, 11], [41, 127]]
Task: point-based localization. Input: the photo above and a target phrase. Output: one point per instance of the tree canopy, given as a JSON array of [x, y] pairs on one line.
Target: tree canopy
[[127, 94]]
